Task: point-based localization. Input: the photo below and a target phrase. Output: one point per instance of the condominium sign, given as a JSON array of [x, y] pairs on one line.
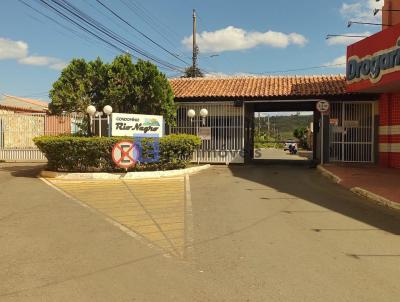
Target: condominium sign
[[124, 124]]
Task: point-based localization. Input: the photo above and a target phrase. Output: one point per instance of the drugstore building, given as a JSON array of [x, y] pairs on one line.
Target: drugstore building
[[373, 66]]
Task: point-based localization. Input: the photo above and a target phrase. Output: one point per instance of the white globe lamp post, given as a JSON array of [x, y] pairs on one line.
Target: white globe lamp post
[[108, 110], [91, 111], [203, 114], [191, 114]]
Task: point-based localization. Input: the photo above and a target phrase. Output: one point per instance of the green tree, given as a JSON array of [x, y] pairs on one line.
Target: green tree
[[121, 90], [99, 78], [154, 93], [191, 72], [72, 91], [140, 88], [126, 86], [301, 134], [81, 83]]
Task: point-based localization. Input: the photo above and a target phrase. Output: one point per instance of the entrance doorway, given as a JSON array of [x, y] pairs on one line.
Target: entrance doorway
[[347, 134], [285, 116], [283, 136]]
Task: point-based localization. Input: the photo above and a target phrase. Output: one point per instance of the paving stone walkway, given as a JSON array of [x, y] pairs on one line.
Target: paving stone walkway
[[154, 209], [384, 182]]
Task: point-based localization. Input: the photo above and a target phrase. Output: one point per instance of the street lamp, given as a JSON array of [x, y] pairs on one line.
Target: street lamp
[[191, 114], [107, 109], [203, 114], [92, 112]]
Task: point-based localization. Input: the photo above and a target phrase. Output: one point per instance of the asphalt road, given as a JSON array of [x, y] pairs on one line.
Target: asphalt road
[[280, 154], [260, 233]]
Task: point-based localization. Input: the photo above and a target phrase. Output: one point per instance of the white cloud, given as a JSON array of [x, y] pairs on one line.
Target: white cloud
[[10, 49], [347, 40], [361, 10], [18, 50], [58, 66], [338, 62], [232, 38], [52, 63]]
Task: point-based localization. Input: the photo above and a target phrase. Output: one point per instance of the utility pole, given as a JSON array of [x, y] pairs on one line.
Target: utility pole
[[195, 48]]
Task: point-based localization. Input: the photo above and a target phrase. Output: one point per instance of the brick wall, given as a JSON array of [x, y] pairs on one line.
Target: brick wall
[[389, 130]]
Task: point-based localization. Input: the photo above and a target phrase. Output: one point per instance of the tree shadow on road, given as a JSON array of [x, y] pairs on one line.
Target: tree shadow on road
[[27, 170], [308, 184]]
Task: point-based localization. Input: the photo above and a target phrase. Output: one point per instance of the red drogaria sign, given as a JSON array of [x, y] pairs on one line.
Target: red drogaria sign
[[374, 66]]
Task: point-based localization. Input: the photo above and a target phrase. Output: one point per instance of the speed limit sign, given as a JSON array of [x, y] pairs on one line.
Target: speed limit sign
[[323, 106]]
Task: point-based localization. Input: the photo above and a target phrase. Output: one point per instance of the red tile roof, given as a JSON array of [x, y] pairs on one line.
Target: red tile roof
[[19, 109], [259, 87], [42, 104]]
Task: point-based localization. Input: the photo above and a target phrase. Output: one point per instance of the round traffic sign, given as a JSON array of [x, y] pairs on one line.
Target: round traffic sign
[[125, 154], [323, 106]]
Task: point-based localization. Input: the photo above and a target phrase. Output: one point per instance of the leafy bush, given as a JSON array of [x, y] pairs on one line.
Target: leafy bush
[[84, 154]]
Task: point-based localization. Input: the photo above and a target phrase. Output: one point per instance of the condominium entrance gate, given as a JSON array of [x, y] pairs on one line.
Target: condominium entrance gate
[[351, 132], [222, 131], [17, 131]]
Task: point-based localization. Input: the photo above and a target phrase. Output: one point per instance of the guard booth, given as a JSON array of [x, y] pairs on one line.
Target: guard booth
[[348, 132]]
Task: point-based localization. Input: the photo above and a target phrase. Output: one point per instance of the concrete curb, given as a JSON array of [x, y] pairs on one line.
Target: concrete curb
[[329, 174], [376, 198], [372, 197], [129, 175]]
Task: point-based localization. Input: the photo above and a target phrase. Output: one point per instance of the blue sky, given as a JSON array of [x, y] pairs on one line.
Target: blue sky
[[248, 37]]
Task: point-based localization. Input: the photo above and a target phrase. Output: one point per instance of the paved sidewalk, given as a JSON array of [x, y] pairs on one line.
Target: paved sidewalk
[[153, 209], [384, 182]]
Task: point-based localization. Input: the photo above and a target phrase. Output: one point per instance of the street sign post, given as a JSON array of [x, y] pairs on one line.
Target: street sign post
[[323, 107], [125, 154]]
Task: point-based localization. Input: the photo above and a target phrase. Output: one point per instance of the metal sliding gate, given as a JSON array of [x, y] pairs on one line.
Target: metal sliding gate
[[224, 125], [351, 132], [17, 131]]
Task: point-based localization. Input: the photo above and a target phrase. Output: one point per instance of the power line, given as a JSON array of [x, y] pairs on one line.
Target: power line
[[81, 27], [83, 18], [150, 21], [102, 29], [63, 26], [140, 32], [287, 70], [132, 4], [116, 23], [299, 69], [119, 39]]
